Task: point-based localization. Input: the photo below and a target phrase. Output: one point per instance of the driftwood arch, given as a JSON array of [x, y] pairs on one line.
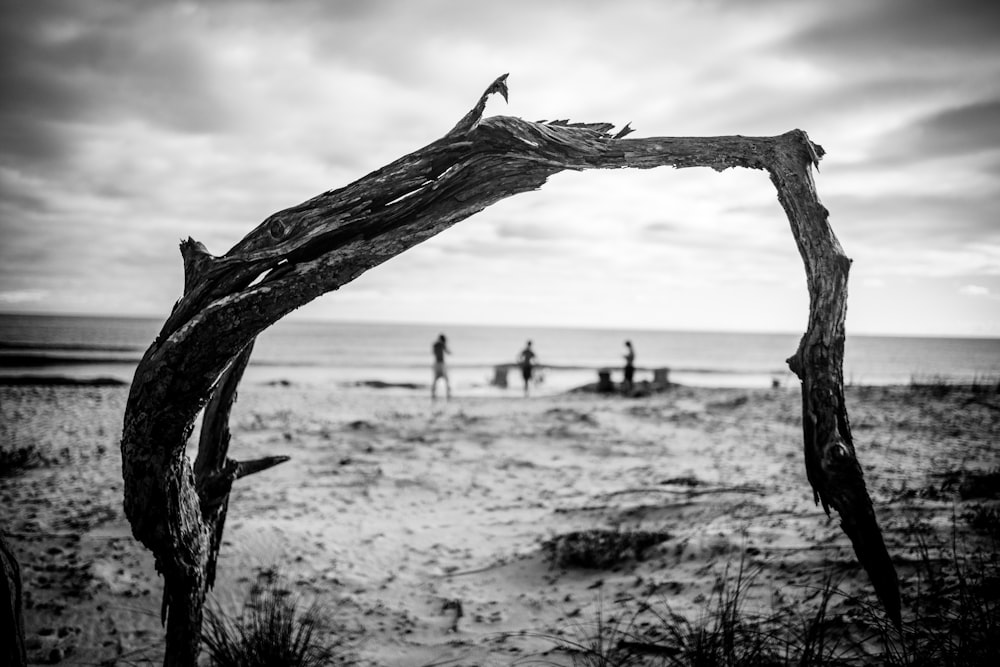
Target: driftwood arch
[[196, 362]]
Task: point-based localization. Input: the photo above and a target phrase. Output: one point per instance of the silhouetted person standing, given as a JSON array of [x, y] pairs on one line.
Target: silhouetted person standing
[[526, 360], [629, 367], [440, 348]]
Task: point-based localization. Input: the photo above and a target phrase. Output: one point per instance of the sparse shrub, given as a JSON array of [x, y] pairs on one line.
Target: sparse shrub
[[600, 549], [952, 620], [955, 613], [980, 485], [814, 637], [936, 385], [966, 484], [610, 641], [725, 635], [16, 461], [272, 630], [985, 520], [986, 385], [939, 386]]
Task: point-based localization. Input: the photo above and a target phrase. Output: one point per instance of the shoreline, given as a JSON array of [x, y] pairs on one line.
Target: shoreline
[[86, 380]]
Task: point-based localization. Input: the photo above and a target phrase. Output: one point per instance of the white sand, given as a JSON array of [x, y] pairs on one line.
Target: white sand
[[392, 508]]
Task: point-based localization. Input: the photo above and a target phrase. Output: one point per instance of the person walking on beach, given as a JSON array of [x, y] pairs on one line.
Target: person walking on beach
[[526, 361], [629, 367], [440, 348]]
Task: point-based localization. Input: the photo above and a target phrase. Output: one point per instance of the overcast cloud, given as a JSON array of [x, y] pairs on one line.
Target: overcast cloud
[[126, 126]]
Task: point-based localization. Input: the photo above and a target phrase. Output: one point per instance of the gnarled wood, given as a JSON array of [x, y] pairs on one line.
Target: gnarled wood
[[322, 244], [12, 648]]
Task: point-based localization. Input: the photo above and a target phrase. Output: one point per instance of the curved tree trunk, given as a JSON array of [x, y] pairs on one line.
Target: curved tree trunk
[[305, 251], [12, 649]]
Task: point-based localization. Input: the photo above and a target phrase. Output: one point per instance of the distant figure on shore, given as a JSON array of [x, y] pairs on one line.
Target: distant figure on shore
[[440, 348], [629, 367], [526, 360]]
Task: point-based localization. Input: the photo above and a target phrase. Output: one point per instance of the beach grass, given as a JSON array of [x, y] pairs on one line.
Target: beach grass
[[273, 628], [954, 621], [598, 548], [940, 386], [15, 461], [726, 632], [953, 599]]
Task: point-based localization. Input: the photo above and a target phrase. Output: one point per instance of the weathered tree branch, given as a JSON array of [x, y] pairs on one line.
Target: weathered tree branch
[[12, 647], [300, 253]]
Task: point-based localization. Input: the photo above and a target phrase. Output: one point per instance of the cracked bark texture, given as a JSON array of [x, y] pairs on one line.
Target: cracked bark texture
[[295, 255], [12, 646]]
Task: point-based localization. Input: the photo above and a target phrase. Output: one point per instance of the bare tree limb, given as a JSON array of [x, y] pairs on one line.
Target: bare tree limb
[[302, 252], [12, 646]]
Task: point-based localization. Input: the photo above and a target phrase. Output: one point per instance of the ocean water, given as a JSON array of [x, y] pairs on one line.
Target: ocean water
[[350, 353]]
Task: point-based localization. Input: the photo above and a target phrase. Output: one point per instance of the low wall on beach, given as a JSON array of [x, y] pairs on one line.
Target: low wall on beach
[[660, 377]]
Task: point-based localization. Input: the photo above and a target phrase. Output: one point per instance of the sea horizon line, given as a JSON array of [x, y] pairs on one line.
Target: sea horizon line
[[623, 329]]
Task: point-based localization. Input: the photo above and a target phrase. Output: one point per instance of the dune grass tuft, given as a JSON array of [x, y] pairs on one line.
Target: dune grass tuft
[[16, 461], [951, 619], [273, 629], [600, 549]]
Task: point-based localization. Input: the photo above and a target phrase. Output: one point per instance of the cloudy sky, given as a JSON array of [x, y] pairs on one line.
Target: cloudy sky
[[129, 125]]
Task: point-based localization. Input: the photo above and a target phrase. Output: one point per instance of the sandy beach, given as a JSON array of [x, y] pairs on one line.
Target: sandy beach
[[435, 532]]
